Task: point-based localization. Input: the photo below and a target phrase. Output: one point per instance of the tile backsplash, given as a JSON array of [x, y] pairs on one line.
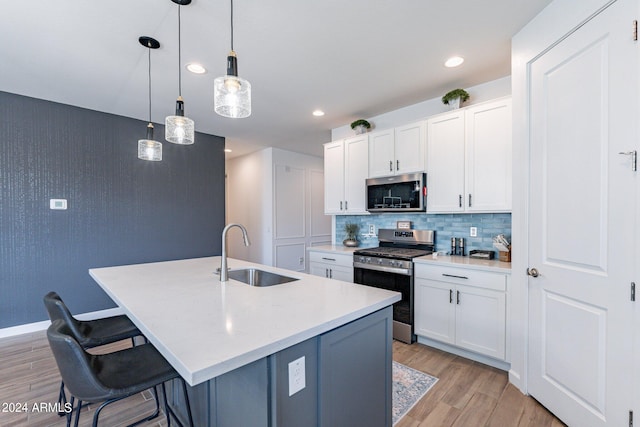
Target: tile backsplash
[[446, 226]]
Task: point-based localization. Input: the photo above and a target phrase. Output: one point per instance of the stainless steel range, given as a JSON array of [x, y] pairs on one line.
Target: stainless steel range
[[390, 266]]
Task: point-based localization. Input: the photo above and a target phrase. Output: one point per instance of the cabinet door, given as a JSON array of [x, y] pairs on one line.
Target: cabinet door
[[480, 320], [435, 310], [488, 157], [445, 163], [355, 377], [410, 146], [341, 273], [356, 171], [319, 269], [333, 177], [381, 153]]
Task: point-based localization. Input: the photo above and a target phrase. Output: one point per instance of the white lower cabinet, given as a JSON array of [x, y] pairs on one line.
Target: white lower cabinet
[[331, 265], [462, 307]]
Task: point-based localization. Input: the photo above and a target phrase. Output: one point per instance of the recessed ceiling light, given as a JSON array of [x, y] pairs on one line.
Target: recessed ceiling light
[[454, 61], [318, 113], [196, 68], [228, 150]]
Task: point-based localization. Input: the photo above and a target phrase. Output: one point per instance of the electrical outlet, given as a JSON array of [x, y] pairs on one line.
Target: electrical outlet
[[296, 376], [473, 231], [372, 230]]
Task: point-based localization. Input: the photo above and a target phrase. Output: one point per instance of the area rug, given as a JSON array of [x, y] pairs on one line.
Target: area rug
[[409, 386]]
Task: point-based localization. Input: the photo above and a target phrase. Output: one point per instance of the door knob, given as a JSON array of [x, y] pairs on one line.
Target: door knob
[[533, 272]]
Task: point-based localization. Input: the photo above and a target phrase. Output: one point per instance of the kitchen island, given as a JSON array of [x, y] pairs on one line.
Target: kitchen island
[[234, 344]]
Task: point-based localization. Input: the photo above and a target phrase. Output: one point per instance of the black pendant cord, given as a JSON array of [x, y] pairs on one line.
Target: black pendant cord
[[149, 56], [231, 24], [179, 56]]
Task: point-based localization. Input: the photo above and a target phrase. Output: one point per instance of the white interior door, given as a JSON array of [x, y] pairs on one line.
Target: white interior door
[[582, 219]]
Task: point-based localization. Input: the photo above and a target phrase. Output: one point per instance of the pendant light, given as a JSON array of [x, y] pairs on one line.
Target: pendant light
[[148, 149], [232, 94], [179, 129]]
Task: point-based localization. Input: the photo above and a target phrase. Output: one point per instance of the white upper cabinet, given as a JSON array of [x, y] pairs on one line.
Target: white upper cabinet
[[397, 151], [345, 172], [381, 153], [445, 162], [488, 157], [411, 142], [469, 159]]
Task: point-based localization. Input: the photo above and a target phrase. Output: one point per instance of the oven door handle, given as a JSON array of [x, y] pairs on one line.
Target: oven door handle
[[396, 270]]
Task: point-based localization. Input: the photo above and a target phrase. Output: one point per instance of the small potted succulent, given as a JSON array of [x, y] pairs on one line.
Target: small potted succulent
[[360, 126], [351, 231], [455, 98]]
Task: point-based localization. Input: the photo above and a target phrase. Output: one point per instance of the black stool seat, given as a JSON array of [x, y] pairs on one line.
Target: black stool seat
[[106, 330], [90, 333], [109, 377]]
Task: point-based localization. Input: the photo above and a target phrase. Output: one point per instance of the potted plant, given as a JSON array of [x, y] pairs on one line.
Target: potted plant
[[455, 98], [360, 126], [351, 231]]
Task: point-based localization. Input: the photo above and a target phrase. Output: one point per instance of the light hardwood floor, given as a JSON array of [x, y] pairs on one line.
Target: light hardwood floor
[[467, 394]]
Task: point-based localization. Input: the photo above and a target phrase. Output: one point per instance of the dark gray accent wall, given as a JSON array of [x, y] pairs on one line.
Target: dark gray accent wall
[[121, 210]]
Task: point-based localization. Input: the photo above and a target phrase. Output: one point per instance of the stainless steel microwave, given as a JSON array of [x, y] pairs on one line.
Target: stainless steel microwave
[[398, 193]]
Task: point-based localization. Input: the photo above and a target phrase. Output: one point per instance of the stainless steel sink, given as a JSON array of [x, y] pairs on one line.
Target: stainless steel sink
[[261, 278]]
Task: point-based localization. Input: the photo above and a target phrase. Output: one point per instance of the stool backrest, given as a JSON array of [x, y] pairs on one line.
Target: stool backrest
[[58, 310], [76, 366]]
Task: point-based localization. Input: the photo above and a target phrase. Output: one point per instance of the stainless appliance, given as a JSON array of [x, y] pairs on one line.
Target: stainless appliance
[[390, 266], [398, 193]]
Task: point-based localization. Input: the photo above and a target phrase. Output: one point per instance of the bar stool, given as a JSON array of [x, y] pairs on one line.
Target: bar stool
[[111, 377], [89, 333]]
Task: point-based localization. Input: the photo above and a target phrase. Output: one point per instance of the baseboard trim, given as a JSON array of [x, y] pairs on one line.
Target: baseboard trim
[[499, 364], [41, 326]]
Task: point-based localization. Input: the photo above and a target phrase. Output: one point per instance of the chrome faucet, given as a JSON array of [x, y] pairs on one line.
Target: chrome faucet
[[223, 263]]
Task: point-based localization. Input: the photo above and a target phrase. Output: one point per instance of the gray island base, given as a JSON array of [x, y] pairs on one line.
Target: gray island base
[[348, 383]]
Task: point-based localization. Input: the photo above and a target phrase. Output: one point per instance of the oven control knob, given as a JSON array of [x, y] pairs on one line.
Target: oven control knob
[[392, 263], [380, 261], [367, 260]]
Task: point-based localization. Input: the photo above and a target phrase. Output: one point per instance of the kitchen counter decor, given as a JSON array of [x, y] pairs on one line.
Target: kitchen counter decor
[[351, 239]]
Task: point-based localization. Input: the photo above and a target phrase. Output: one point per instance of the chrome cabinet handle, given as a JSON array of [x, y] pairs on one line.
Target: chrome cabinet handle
[[340, 204], [454, 276], [450, 296], [469, 200], [533, 272], [459, 200], [634, 158], [329, 259], [390, 166], [458, 297], [330, 274], [397, 165], [346, 205]]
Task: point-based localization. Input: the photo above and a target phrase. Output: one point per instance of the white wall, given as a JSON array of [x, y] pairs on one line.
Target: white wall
[[249, 195], [480, 93], [251, 201]]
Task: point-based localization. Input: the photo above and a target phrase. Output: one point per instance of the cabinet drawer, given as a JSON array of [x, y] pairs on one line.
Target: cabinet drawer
[[462, 276], [345, 260]]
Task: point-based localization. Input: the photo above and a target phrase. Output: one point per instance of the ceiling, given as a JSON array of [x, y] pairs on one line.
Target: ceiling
[[353, 59]]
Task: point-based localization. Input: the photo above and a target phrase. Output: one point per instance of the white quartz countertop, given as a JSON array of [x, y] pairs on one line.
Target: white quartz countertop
[[466, 262], [206, 328], [340, 249]]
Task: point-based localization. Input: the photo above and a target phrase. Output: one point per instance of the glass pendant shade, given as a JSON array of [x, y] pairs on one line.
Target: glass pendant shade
[[232, 96], [148, 149], [179, 129]]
